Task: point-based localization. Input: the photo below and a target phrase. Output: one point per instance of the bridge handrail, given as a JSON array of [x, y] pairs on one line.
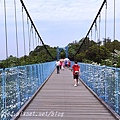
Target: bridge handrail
[[104, 81], [18, 84]]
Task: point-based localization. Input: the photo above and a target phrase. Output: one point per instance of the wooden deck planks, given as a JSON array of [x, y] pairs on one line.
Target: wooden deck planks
[[60, 100]]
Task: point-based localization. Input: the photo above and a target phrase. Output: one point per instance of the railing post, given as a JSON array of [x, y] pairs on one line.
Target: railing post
[[106, 85], [85, 73], [93, 81], [42, 76], [90, 69], [94, 78], [116, 90], [28, 80], [86, 80], [3, 114], [26, 83], [43, 72], [38, 74], [35, 78], [98, 71], [18, 89], [93, 72], [31, 80]]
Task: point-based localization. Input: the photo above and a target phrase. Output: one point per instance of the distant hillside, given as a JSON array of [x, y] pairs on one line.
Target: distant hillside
[[89, 52]]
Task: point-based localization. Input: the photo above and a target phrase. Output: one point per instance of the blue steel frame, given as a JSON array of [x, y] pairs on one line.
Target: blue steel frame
[[18, 84], [59, 50]]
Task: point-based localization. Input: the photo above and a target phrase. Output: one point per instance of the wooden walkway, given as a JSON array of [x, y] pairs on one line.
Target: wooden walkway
[[60, 100]]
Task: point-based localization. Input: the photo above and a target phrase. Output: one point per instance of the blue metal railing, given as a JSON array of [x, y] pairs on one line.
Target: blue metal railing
[[104, 81], [18, 84]]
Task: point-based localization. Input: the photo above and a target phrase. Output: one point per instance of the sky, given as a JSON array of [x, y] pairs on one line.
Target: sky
[[59, 22]]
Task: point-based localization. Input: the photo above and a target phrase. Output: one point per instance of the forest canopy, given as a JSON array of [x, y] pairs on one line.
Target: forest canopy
[[104, 53]]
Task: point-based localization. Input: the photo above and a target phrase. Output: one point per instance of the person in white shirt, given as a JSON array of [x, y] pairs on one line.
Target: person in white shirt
[[58, 66]]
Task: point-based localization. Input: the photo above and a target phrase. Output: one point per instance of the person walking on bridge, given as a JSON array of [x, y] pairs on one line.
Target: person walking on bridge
[[76, 73], [58, 66]]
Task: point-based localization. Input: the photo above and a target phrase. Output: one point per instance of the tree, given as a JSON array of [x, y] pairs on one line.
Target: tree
[[97, 54]]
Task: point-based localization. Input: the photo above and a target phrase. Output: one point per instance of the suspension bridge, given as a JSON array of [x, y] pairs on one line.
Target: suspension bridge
[[31, 89]]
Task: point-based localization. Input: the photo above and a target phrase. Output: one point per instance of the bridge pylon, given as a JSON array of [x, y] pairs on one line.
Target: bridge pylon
[[60, 49]]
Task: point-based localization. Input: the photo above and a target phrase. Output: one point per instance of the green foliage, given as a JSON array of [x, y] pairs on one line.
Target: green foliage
[[38, 55], [62, 54], [87, 51], [118, 65], [111, 46], [97, 54], [91, 51]]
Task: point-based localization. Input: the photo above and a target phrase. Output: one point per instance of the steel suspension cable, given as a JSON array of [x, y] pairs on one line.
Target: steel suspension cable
[[28, 34], [35, 39], [91, 27], [99, 27], [32, 37], [114, 33], [16, 28], [6, 34], [95, 31], [17, 80], [105, 28], [38, 40], [5, 78], [28, 27], [35, 28], [24, 33], [114, 27], [36, 47], [91, 34], [99, 36], [88, 40]]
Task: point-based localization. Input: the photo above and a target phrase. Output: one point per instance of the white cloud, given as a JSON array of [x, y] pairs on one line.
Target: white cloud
[[69, 10], [61, 10], [10, 10], [59, 21]]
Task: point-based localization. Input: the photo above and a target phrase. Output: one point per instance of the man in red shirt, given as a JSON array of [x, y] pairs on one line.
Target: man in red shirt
[[76, 73]]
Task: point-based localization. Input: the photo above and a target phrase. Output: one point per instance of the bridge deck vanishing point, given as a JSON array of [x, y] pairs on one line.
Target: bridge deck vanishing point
[[58, 99]]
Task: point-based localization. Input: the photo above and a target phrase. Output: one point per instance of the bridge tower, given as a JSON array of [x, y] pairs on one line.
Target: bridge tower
[[59, 50]]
